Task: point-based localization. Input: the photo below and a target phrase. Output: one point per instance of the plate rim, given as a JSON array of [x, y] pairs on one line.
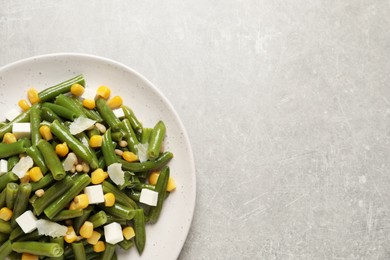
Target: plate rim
[[153, 88]]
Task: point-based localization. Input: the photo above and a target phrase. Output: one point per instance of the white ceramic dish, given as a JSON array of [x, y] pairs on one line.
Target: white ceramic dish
[[165, 239]]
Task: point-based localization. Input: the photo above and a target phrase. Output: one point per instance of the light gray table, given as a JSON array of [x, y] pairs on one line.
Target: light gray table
[[286, 103]]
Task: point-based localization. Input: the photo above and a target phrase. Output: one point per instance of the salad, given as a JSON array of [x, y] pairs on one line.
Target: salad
[[80, 176]]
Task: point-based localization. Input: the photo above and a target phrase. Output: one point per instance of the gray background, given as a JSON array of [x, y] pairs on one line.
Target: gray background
[[286, 104]]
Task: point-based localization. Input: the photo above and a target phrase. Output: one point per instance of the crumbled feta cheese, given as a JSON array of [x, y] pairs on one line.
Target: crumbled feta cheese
[[70, 161], [95, 194], [116, 174], [142, 152], [49, 228], [12, 114], [113, 233], [27, 221], [21, 168], [80, 124], [148, 197], [3, 166], [21, 130]]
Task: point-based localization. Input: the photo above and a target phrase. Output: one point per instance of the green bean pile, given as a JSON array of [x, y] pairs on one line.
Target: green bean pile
[[51, 197]]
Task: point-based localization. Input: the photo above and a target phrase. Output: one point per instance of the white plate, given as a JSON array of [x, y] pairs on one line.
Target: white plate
[[165, 239]]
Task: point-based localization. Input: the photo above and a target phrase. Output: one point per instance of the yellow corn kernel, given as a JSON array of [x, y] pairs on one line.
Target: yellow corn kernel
[[35, 174], [5, 214], [45, 132], [62, 149], [27, 256], [89, 103], [98, 176], [86, 229], [94, 238], [109, 199], [72, 206], [171, 184], [99, 247], [77, 90], [103, 92], [128, 232], [153, 177], [129, 156], [81, 201], [115, 102], [23, 104], [32, 95], [96, 141], [9, 138], [70, 236]]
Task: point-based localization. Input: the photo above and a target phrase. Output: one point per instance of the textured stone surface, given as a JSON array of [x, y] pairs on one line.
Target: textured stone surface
[[286, 103]]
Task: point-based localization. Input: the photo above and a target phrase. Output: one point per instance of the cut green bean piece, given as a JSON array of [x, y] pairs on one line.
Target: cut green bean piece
[[120, 211], [109, 252], [51, 159], [6, 178], [146, 132], [33, 236], [131, 138], [68, 214], [61, 111], [107, 149], [78, 251], [12, 161], [22, 118], [135, 123], [7, 150], [148, 165], [126, 244], [75, 145], [108, 116], [91, 114], [156, 139], [79, 221], [51, 194], [161, 187], [5, 249], [49, 115], [99, 219], [62, 88], [120, 196], [38, 248], [42, 183], [21, 202], [16, 233], [35, 121], [60, 242], [5, 227], [70, 104], [3, 197], [37, 157], [139, 229], [11, 193]]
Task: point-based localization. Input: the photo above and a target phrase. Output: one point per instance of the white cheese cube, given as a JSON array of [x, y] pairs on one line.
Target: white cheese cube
[[3, 166], [21, 130], [113, 233], [12, 114], [149, 197], [95, 194], [89, 93], [119, 113], [27, 221]]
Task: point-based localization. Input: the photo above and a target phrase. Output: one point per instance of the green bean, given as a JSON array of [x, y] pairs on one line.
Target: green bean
[[80, 182], [108, 116], [3, 237], [79, 221], [42, 183], [119, 210], [79, 251], [91, 114], [52, 193], [131, 138], [60, 242], [117, 136], [7, 150], [135, 195], [49, 115], [3, 197], [64, 87], [38, 248], [107, 149], [33, 236], [61, 111], [12, 161], [68, 214], [148, 165], [22, 118], [11, 193], [51, 159], [5, 227], [139, 229], [111, 219], [83, 138], [146, 132], [16, 233], [37, 157], [75, 145], [137, 126], [99, 219], [109, 252], [119, 195], [35, 120], [161, 187], [126, 244], [156, 139], [5, 249], [6, 178], [21, 202], [92, 132], [101, 161], [69, 103]]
